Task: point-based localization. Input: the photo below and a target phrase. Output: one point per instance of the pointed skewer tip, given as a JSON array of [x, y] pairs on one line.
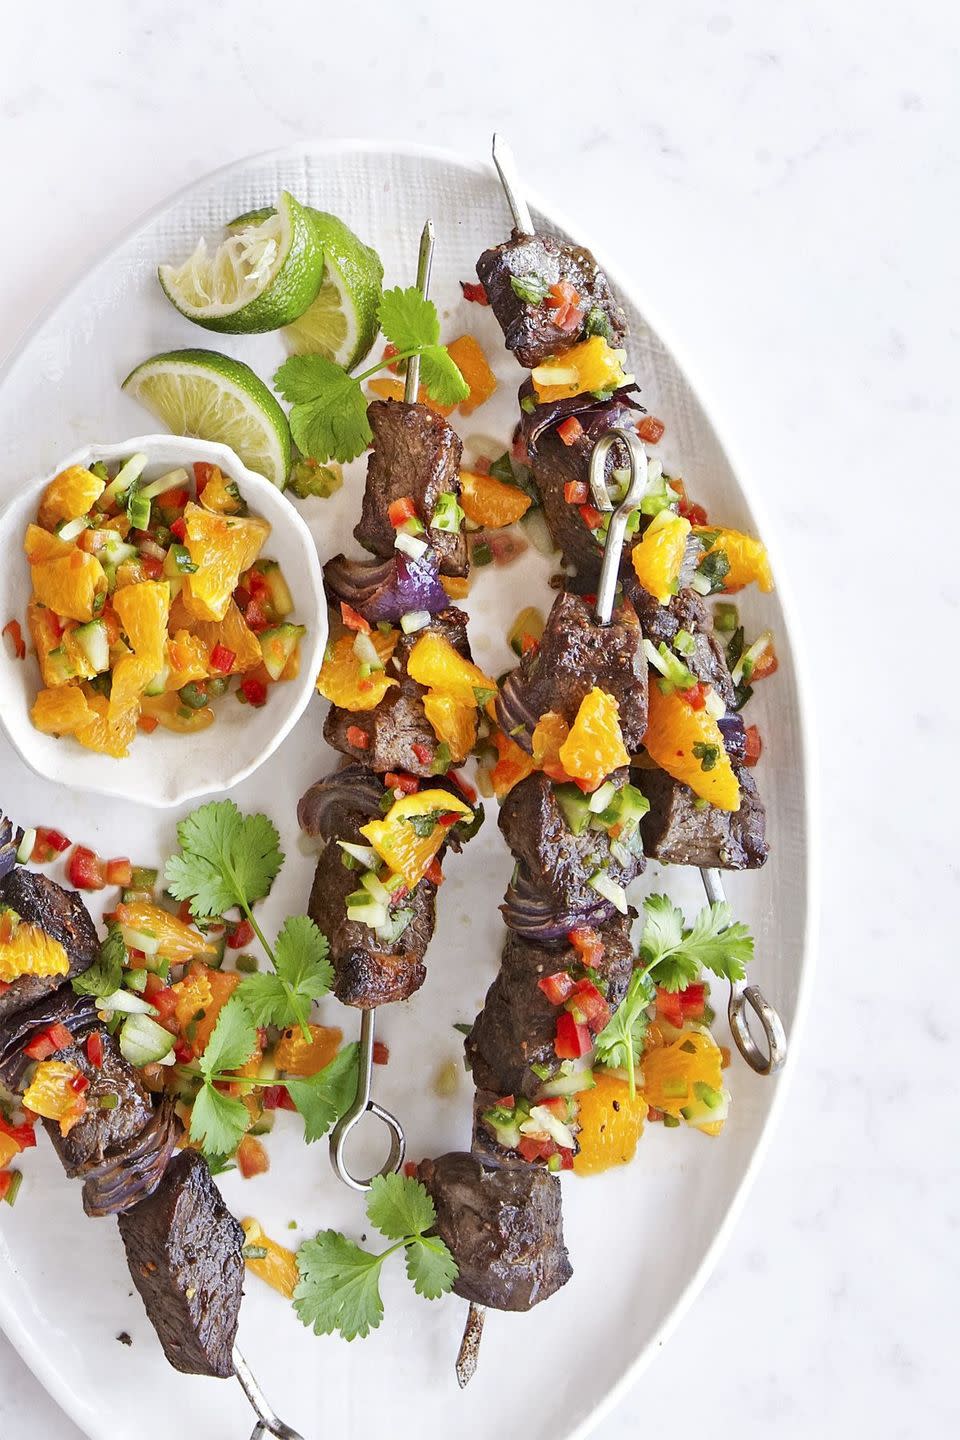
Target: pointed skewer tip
[[468, 1355]]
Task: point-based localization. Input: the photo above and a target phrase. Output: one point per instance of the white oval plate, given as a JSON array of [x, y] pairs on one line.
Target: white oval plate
[[642, 1238], [163, 769]]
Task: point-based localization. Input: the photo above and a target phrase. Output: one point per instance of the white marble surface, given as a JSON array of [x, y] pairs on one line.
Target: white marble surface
[[784, 181]]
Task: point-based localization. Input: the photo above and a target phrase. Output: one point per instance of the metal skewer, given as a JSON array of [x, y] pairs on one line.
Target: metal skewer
[[510, 180], [268, 1422], [363, 1100]]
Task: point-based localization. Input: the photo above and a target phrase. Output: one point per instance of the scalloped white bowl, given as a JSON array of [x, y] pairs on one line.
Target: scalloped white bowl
[[165, 769]]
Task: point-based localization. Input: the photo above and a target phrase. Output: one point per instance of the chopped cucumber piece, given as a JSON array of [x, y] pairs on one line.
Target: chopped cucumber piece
[[631, 805], [570, 1084], [144, 877], [95, 644], [25, 848], [279, 644], [123, 1000], [138, 508], [544, 1120], [143, 940], [179, 562], [414, 620], [397, 922], [410, 545], [60, 665], [278, 587], [708, 1107], [116, 551], [610, 890], [363, 908], [158, 684], [375, 887], [72, 529], [144, 1042], [505, 1132], [601, 797], [366, 854], [135, 980], [127, 475], [447, 514], [173, 480], [575, 807]]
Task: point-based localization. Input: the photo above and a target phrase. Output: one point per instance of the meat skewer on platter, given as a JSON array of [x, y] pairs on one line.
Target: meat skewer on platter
[[509, 274], [183, 1246]]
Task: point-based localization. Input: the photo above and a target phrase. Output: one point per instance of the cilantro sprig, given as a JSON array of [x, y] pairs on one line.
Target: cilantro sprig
[[229, 860], [339, 1287], [328, 415], [105, 975], [219, 1121], [673, 956]]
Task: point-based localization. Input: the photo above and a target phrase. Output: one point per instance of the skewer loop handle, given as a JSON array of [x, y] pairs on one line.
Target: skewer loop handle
[[363, 1102], [743, 997], [617, 528]]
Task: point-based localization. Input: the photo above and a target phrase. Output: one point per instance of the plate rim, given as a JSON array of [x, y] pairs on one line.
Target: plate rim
[[22, 1341]]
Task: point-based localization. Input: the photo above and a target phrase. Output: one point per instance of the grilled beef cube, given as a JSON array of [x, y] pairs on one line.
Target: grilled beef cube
[[504, 1227], [575, 654], [61, 1007], [528, 325], [63, 916], [398, 728], [415, 453], [131, 1173], [676, 832], [517, 1026], [555, 464], [102, 1132], [184, 1252], [538, 832], [686, 611]]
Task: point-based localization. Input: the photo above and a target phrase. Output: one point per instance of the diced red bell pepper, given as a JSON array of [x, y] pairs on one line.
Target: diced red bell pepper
[[528, 645], [173, 499], [257, 617], [466, 789], [152, 567], [48, 844], [22, 1135], [254, 690], [353, 619], [241, 597], [381, 1053], [183, 1051], [507, 1102], [47, 1042], [570, 431], [474, 292], [754, 746], [588, 945], [560, 294], [766, 665], [532, 1149], [572, 1039], [651, 429], [203, 474], [358, 738], [7, 1180], [179, 529], [18, 644], [696, 696], [85, 871], [693, 1001], [670, 1007], [252, 1158], [118, 871], [95, 1049], [242, 935], [221, 659], [588, 1007], [400, 780], [78, 1083], [433, 872], [591, 517], [400, 511], [423, 753], [557, 987]]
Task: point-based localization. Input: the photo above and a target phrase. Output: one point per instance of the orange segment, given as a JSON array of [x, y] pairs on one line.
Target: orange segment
[[69, 584], [69, 495], [187, 657], [131, 676], [747, 556], [278, 1267], [179, 942], [436, 664], [168, 710], [234, 634], [658, 554], [490, 502], [550, 733], [611, 1123], [513, 765], [687, 743], [45, 633], [467, 354], [594, 748], [394, 390], [396, 840], [296, 1056], [673, 1068], [30, 951], [51, 1094], [143, 611], [63, 711], [340, 680], [41, 545], [222, 547], [105, 735], [453, 723], [220, 495], [591, 365]]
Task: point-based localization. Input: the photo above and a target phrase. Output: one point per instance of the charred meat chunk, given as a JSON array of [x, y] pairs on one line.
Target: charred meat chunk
[[415, 454], [398, 732], [678, 831], [686, 611], [517, 1026], [517, 277], [554, 465], [575, 655], [184, 1252], [129, 1174], [504, 1227], [61, 1007], [102, 1131], [62, 914]]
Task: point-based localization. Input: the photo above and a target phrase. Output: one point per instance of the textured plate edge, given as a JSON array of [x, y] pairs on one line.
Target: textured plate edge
[[30, 1352]]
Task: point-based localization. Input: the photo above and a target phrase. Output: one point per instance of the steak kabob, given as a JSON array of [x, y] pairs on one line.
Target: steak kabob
[[183, 1246], [561, 320], [405, 696], [567, 961]]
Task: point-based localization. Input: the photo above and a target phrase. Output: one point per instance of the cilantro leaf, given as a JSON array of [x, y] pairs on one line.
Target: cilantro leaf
[[322, 1098], [218, 1122], [302, 973], [106, 972], [339, 1286], [662, 929], [431, 1267], [226, 859], [400, 1206], [441, 376], [328, 415], [718, 944], [620, 1042], [408, 320], [232, 1043]]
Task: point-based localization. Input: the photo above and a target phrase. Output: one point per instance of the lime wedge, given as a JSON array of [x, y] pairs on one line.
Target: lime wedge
[[264, 275], [341, 322], [211, 396]]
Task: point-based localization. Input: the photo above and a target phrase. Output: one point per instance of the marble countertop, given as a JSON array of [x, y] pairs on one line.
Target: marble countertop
[[787, 175]]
